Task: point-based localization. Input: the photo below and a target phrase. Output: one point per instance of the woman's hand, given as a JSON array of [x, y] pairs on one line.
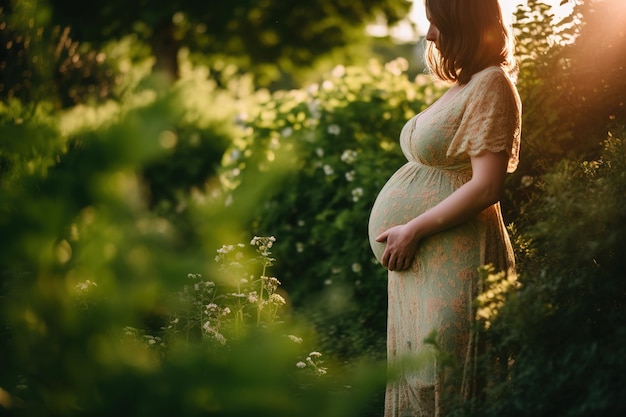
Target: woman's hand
[[483, 190], [401, 247]]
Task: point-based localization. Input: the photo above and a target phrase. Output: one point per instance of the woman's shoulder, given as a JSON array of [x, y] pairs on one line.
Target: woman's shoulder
[[492, 80], [490, 74]]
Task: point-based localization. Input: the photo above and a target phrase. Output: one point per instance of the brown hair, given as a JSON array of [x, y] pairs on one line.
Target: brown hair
[[472, 37]]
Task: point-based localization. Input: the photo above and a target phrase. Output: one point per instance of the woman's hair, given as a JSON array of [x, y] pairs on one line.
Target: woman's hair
[[472, 37]]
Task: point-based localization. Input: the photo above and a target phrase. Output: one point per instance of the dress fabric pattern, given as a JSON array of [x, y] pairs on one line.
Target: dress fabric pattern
[[437, 292]]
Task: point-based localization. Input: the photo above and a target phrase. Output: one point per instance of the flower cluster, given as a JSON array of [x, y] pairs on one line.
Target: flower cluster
[[220, 310], [313, 363], [263, 246]]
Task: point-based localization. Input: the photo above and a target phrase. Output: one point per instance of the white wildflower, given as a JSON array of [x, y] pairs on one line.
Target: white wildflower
[[350, 176], [357, 193], [207, 326], [526, 181], [83, 287], [274, 143], [271, 283], [301, 365], [277, 299], [313, 106], [300, 247], [294, 338], [319, 152], [349, 156], [328, 170], [356, 267], [252, 297], [339, 71], [334, 129], [219, 337], [328, 85], [286, 132]]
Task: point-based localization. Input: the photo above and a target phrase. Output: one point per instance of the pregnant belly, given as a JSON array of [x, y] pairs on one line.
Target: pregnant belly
[[413, 189]]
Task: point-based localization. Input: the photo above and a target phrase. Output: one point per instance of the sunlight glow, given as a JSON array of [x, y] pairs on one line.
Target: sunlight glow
[[418, 15]]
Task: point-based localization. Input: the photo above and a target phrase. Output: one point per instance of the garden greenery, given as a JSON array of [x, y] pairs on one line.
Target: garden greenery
[[564, 327], [122, 292], [108, 310]]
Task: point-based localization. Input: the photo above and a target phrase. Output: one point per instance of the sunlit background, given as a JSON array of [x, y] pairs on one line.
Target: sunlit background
[[417, 25]]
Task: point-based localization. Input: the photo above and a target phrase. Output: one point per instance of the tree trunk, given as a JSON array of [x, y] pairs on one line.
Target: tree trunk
[[165, 49]]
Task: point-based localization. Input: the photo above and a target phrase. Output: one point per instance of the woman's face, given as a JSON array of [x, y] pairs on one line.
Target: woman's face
[[433, 31]]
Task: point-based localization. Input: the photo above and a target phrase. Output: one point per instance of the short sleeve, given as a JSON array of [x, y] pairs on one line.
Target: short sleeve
[[491, 120]]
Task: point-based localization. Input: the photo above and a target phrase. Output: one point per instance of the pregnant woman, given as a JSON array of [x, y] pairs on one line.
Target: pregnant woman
[[438, 218]]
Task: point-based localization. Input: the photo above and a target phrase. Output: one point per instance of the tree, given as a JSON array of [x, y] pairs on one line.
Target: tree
[[274, 35]]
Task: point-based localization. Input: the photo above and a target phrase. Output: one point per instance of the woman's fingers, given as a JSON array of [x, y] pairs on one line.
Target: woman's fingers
[[394, 263], [394, 257]]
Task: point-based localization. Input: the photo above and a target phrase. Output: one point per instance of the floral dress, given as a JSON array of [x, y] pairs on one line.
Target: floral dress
[[436, 293]]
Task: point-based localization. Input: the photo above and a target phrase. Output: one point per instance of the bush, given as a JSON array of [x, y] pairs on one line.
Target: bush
[[565, 325]]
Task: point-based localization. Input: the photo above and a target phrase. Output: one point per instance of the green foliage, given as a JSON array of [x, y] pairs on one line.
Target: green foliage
[[106, 208], [565, 325], [539, 86], [343, 135], [265, 38], [110, 205], [572, 87], [89, 272], [41, 61]]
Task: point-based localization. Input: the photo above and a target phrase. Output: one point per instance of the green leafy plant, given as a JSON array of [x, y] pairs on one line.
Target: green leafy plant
[[563, 328]]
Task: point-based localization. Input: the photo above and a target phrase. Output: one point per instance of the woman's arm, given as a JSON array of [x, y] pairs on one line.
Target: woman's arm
[[481, 191]]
